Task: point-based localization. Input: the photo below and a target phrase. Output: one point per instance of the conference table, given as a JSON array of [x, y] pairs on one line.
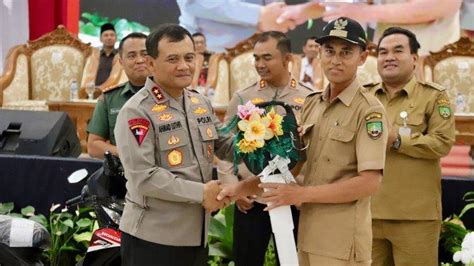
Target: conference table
[[80, 112]]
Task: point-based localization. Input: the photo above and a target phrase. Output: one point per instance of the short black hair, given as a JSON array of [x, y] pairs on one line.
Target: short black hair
[[283, 42], [413, 42], [173, 32], [133, 35], [314, 38], [196, 34]]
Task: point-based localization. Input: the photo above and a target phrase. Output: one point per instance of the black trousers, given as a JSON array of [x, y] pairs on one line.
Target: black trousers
[[252, 233], [138, 252]]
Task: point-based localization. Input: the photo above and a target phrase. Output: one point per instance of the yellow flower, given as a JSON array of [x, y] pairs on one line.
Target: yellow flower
[[275, 122], [246, 146], [256, 128]]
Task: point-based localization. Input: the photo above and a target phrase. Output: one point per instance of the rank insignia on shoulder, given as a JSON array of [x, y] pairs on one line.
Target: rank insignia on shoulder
[[200, 111], [373, 115], [139, 128], [165, 117], [293, 83], [159, 108], [444, 111], [194, 100], [374, 129], [173, 140], [262, 84], [257, 100], [157, 93], [175, 157], [298, 100]]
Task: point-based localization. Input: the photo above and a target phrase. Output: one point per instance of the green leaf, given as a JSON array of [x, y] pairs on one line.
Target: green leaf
[[218, 249], [84, 222], [6, 208], [89, 29], [61, 229], [14, 214], [41, 219], [28, 211], [85, 236], [69, 223], [69, 248], [466, 208]]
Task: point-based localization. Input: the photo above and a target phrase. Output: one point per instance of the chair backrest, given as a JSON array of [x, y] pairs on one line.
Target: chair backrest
[[43, 69], [453, 68]]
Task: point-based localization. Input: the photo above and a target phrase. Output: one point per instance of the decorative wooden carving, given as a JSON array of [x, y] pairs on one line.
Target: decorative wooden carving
[[213, 70], [241, 47], [59, 36], [463, 47]]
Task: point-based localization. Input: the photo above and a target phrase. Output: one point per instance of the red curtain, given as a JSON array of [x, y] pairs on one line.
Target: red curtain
[[46, 15]]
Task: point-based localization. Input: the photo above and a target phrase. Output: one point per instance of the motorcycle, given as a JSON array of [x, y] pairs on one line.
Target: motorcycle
[[105, 193]]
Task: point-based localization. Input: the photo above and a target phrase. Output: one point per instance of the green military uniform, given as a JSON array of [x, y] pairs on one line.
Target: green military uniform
[[105, 113], [407, 208], [345, 137]]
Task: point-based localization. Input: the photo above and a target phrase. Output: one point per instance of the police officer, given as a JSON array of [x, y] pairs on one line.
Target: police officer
[[132, 54], [166, 138], [252, 228], [406, 212], [345, 130]]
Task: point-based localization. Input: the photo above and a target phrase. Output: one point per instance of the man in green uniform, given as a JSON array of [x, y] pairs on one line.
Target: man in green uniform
[[406, 212], [132, 53]]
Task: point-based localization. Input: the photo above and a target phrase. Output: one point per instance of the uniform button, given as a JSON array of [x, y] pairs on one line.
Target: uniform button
[[327, 160]]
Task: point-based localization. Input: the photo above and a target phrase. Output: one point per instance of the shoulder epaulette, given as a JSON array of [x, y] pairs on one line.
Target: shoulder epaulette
[[433, 85], [304, 86], [109, 89]]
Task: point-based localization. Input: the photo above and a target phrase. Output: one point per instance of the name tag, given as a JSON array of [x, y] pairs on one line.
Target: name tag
[[114, 111], [169, 127]]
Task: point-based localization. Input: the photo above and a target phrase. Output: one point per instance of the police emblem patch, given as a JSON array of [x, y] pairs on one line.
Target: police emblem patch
[[175, 157], [159, 108], [444, 111], [374, 129], [165, 117], [200, 111], [139, 128]]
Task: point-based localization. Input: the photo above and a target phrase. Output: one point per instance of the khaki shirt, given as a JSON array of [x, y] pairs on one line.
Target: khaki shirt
[[411, 187], [167, 147], [294, 93], [344, 137]]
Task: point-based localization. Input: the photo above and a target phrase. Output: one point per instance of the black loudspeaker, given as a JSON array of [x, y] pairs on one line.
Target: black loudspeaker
[[38, 133]]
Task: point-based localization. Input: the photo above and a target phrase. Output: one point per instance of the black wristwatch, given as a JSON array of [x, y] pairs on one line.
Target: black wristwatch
[[396, 144]]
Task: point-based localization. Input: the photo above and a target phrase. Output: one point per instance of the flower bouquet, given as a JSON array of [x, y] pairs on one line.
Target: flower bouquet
[[263, 134]]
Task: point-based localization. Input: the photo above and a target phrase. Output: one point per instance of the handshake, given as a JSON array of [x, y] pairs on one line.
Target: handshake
[[217, 196]]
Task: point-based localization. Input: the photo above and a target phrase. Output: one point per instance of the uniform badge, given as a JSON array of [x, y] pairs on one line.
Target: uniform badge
[[157, 93], [262, 84], [194, 100], [165, 117], [443, 102], [139, 128], [373, 115], [173, 140], [159, 108], [257, 100], [444, 111], [175, 157], [209, 151], [374, 129], [293, 83], [298, 100], [200, 111], [209, 132]]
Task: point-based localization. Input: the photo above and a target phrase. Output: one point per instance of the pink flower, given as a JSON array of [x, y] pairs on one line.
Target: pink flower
[[244, 111]]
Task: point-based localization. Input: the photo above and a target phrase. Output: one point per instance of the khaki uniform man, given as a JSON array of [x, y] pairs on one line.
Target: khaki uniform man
[[406, 211], [345, 130], [252, 228], [166, 138]]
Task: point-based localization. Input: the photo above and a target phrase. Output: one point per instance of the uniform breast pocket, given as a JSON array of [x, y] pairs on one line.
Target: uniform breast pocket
[[415, 121], [174, 149], [341, 145], [208, 135]]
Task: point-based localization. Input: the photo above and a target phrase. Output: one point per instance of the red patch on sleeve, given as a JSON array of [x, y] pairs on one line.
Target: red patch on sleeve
[[139, 128]]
